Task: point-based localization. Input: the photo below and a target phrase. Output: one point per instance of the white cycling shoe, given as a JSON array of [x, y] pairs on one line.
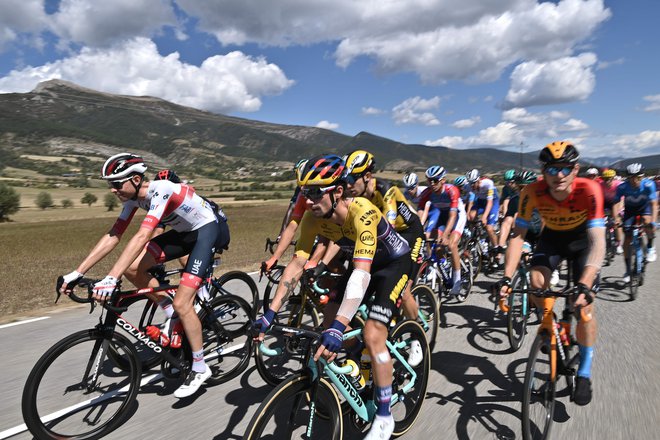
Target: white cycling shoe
[[456, 288], [619, 250], [192, 383], [651, 255], [626, 278], [416, 355], [554, 279], [381, 428]]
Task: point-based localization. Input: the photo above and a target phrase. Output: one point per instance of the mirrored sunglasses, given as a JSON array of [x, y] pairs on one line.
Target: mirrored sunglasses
[[316, 193], [554, 171]]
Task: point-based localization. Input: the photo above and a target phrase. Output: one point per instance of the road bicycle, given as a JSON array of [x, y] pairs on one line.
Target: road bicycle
[[84, 386], [312, 402], [436, 271], [611, 242], [636, 251], [554, 353]]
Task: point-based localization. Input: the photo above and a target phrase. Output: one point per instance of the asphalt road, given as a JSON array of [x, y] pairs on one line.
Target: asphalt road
[[474, 388]]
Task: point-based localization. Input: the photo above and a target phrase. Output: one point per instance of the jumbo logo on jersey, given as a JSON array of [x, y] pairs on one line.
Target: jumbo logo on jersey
[[367, 238]]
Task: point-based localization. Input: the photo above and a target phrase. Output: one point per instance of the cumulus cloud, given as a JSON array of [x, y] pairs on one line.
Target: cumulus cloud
[[466, 123], [371, 111], [416, 111], [222, 83], [653, 103], [327, 125], [439, 40], [635, 144], [20, 17], [563, 80], [504, 134]]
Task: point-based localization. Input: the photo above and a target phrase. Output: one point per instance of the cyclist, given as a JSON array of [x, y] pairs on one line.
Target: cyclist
[[518, 181], [486, 204], [446, 198], [507, 191], [199, 228], [572, 209], [413, 189], [592, 173], [467, 195], [639, 199], [609, 184], [380, 265]]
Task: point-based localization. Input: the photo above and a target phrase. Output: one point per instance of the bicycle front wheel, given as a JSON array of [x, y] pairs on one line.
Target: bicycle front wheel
[[466, 278], [237, 283], [429, 311], [226, 338], [406, 410], [538, 404], [285, 413], [72, 394], [518, 312]]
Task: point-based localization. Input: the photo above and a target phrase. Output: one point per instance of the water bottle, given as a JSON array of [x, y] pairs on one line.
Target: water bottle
[[203, 293], [365, 367], [355, 376]]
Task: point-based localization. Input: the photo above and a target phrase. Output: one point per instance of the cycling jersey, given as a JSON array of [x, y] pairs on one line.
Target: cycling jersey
[[414, 199], [172, 204], [299, 208], [637, 200], [582, 209], [609, 193], [484, 189], [365, 233], [394, 205], [467, 197], [446, 200], [508, 192]]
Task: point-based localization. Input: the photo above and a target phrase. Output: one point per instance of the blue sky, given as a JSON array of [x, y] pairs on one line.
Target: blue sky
[[458, 73]]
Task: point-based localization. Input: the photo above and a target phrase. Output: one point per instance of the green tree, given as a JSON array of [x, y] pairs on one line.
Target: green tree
[[44, 200], [88, 198], [9, 201], [67, 203], [110, 201]]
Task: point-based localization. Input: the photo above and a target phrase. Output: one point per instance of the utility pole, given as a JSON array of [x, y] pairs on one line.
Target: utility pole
[[522, 145]]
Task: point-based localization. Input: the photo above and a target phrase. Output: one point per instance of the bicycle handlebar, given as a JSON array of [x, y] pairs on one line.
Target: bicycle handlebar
[[89, 283]]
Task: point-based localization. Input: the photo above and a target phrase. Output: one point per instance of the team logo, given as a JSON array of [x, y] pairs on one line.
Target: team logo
[[367, 238]]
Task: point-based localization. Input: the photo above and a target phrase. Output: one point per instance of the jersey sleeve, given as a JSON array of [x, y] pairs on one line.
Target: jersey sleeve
[[454, 197], [365, 222], [298, 209], [424, 198], [525, 207], [389, 205], [160, 200], [595, 206], [124, 219], [653, 195], [308, 232]]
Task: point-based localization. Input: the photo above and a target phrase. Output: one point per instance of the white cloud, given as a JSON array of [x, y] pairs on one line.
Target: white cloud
[[635, 143], [222, 83], [574, 125], [371, 111], [415, 111], [101, 24], [504, 134], [654, 103], [466, 123], [327, 125], [439, 40], [20, 17], [563, 80]]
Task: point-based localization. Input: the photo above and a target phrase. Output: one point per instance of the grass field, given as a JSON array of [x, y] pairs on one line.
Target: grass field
[[34, 254]]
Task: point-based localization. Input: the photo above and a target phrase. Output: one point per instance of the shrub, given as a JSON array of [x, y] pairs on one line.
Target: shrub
[[67, 203], [88, 198], [9, 201], [44, 200], [110, 201]]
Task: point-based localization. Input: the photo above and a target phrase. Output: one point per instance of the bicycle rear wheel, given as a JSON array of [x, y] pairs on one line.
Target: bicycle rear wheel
[[518, 312], [286, 412], [72, 394], [226, 338], [406, 410], [538, 404], [237, 283], [633, 285], [274, 369], [429, 311], [466, 279]]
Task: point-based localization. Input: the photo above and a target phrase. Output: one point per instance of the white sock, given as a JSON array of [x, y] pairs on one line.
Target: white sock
[[166, 305], [456, 276], [198, 365]]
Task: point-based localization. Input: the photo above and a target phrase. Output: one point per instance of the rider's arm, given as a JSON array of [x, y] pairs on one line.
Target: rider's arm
[[104, 246], [288, 282], [489, 205], [425, 213], [595, 234], [451, 221], [131, 252], [330, 252], [355, 291]]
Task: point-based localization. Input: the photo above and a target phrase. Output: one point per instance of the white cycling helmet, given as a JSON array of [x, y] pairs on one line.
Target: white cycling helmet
[[635, 169], [410, 180], [122, 165], [435, 172], [592, 172], [472, 175]]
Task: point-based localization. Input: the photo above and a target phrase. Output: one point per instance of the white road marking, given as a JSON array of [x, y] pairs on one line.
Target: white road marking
[[27, 321]]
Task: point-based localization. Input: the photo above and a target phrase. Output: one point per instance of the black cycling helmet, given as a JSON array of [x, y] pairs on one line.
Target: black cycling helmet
[[559, 152], [168, 175]]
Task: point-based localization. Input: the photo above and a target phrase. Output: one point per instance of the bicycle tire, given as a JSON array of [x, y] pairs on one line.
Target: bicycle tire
[[519, 311], [292, 393], [227, 341], [476, 257], [429, 307], [274, 369], [231, 283], [42, 413], [466, 279], [633, 285], [538, 390], [406, 411]]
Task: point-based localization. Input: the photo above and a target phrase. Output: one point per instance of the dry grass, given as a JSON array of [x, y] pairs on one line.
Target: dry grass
[[34, 254]]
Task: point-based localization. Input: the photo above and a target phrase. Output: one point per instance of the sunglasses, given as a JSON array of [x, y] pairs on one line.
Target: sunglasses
[[565, 170], [316, 193], [352, 178], [117, 184], [434, 181]]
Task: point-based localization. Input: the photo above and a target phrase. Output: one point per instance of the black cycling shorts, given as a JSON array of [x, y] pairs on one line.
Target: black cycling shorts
[[555, 246]]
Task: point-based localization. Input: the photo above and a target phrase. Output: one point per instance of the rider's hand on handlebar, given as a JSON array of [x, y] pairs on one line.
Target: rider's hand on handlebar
[[267, 265], [583, 296], [70, 281], [262, 324], [331, 341], [502, 287], [314, 272], [104, 288]]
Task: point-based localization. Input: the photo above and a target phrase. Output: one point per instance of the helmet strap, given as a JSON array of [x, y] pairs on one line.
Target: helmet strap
[[333, 206], [136, 187]]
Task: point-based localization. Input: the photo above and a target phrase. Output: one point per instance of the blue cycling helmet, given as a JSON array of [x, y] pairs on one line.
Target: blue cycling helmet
[[460, 181], [435, 172]]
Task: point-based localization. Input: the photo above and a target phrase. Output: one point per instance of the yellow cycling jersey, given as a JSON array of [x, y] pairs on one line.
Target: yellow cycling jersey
[[394, 205], [365, 233]]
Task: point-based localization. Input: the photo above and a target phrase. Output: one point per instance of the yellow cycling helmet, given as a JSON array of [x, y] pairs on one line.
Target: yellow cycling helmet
[[322, 170], [359, 162], [609, 174]]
